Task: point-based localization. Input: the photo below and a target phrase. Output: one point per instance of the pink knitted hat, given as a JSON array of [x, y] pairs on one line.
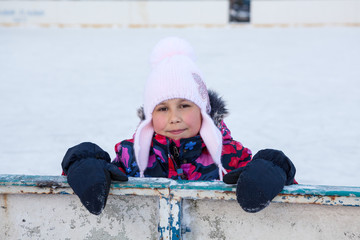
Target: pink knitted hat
[[175, 75]]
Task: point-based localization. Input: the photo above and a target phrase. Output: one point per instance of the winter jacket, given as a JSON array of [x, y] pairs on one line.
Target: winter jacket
[[185, 158]]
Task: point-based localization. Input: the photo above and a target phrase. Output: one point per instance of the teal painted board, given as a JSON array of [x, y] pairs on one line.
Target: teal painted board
[[322, 190], [162, 183]]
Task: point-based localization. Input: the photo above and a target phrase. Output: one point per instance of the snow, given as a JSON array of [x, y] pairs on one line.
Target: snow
[[296, 89]]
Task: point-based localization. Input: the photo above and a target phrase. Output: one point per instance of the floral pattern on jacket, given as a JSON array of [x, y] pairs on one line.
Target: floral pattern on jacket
[[182, 159]]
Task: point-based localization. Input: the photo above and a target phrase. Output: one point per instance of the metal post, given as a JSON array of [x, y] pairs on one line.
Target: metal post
[[170, 209]]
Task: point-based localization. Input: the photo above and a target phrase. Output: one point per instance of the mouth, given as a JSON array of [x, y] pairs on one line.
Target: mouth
[[177, 131]]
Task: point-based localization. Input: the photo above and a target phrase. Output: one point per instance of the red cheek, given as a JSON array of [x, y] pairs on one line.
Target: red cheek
[[159, 123]]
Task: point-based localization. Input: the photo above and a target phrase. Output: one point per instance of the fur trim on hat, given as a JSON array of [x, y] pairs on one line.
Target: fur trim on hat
[[218, 108]]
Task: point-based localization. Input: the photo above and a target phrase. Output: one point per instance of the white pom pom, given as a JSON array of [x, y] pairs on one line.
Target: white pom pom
[[169, 47]]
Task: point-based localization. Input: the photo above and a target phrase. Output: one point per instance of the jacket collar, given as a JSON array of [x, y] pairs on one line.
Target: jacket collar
[[186, 148]]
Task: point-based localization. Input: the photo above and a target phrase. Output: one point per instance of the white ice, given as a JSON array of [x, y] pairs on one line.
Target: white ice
[[294, 89]]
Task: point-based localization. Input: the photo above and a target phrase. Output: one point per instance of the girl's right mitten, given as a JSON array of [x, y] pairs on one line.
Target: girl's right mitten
[[89, 173]]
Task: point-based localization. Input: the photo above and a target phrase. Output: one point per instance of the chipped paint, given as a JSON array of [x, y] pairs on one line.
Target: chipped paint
[[163, 226], [175, 218], [318, 199]]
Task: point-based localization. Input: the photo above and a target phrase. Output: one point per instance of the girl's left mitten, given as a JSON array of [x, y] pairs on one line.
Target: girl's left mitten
[[89, 173], [264, 178]]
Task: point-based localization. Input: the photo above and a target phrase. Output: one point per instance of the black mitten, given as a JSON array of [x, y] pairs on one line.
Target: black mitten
[[233, 176], [89, 173], [262, 179]]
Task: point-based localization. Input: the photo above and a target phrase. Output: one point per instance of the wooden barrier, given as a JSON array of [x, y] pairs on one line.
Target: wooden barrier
[[44, 207]]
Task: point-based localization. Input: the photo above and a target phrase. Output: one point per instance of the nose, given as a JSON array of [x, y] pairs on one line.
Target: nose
[[175, 117]]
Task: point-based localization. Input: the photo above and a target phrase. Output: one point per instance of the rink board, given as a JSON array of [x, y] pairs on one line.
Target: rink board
[[174, 13], [120, 13], [305, 12], [44, 207]]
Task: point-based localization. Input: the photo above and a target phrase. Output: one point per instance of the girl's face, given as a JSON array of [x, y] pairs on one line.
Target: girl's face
[[177, 118]]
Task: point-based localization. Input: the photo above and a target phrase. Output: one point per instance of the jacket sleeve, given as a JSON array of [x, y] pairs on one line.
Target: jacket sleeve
[[235, 155], [125, 158]]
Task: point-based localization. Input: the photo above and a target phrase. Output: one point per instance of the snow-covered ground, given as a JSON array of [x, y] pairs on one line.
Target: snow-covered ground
[[294, 89]]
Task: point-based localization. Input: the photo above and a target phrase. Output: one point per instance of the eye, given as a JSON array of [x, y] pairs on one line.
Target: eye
[[161, 109], [185, 105]]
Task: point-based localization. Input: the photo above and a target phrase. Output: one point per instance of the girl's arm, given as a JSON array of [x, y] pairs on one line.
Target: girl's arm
[[125, 158], [235, 155]]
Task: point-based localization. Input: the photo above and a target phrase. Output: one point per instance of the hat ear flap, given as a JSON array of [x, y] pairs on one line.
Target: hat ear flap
[[212, 138], [142, 143]]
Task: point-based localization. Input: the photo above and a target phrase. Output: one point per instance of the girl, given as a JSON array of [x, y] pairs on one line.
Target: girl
[[181, 135]]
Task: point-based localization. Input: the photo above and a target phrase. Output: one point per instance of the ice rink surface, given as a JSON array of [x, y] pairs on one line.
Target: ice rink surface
[[293, 89]]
